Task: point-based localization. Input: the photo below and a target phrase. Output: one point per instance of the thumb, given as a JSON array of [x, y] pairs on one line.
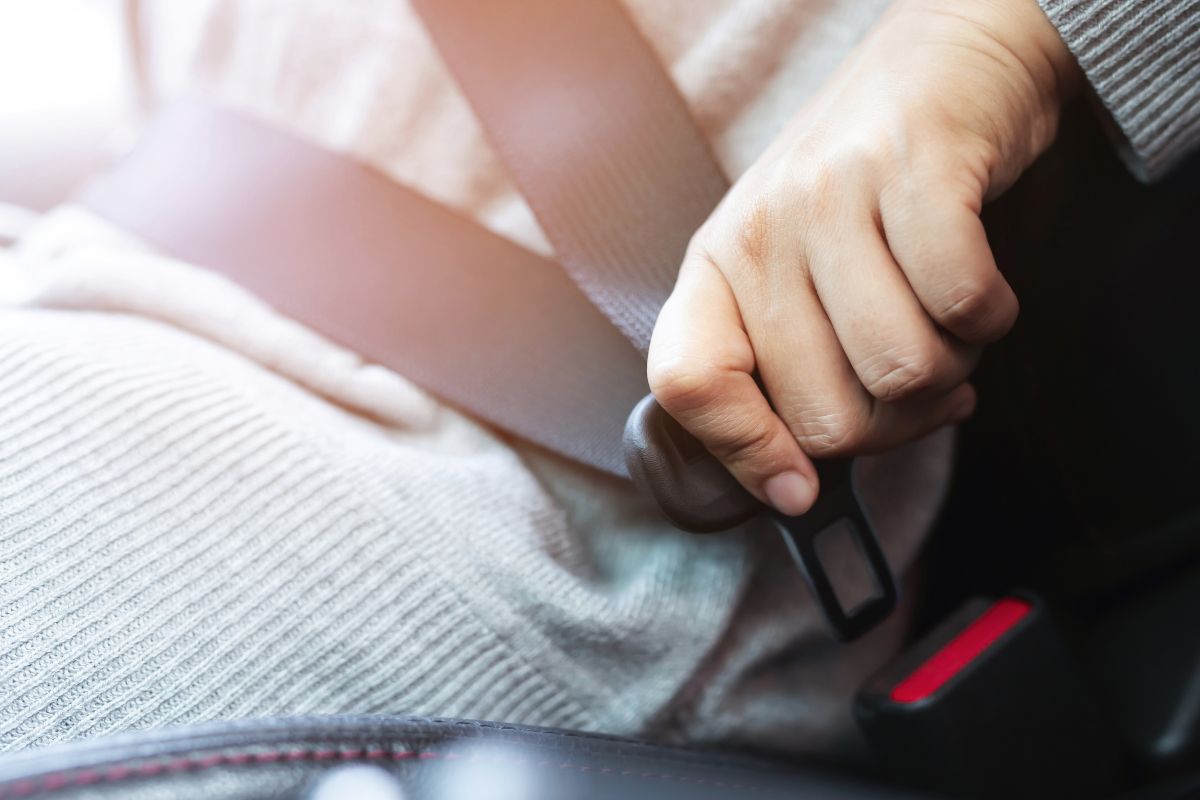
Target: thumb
[[701, 371]]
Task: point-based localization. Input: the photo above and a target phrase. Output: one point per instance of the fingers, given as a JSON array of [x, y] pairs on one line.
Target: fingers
[[896, 350], [859, 342], [701, 369], [940, 243], [814, 387], [708, 343]]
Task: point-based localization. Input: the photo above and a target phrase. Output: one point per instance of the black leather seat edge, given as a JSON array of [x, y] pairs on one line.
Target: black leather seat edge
[[430, 758]]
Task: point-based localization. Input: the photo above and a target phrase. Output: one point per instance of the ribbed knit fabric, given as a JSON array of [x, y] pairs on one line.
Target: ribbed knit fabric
[[184, 537], [1142, 58], [207, 511]]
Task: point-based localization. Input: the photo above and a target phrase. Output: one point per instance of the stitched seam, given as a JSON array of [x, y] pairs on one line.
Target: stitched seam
[[74, 779]]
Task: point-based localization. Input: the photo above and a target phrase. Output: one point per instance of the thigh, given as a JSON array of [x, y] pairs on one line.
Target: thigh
[[179, 540]]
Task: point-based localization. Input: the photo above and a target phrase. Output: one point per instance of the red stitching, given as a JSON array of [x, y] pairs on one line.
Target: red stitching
[[115, 774]]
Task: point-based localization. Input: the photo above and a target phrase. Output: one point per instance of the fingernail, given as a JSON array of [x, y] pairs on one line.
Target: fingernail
[[791, 493]]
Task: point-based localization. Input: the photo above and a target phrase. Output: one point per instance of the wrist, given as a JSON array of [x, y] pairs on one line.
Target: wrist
[[1049, 46], [1010, 64], [1022, 33]]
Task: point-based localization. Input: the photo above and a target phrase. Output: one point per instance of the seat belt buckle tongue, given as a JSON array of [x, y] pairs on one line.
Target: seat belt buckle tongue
[[696, 493]]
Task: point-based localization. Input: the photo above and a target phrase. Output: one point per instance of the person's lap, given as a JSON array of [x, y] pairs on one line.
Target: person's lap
[[177, 546], [207, 511], [185, 535]]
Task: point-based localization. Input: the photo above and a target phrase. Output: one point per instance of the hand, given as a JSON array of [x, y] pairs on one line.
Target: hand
[[848, 267]]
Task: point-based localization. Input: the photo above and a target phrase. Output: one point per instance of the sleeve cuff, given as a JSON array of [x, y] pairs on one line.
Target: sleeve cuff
[[1142, 59]]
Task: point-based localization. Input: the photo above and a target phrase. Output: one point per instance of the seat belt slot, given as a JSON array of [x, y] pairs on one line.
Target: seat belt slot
[[991, 705], [698, 494]]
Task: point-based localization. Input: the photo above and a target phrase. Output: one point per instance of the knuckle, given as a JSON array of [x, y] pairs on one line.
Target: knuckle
[[748, 442], [819, 180], [1002, 317], [813, 190], [829, 433], [700, 245], [968, 307], [682, 384], [754, 233], [756, 227], [899, 373], [767, 210]]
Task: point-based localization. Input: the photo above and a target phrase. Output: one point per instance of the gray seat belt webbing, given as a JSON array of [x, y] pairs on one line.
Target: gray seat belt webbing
[[490, 326], [601, 144], [596, 136]]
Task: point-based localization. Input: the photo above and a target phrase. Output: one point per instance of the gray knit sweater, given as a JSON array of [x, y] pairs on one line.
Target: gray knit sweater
[[1142, 59], [207, 512]]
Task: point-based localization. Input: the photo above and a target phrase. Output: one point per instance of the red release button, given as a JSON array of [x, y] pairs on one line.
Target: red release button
[[961, 650]]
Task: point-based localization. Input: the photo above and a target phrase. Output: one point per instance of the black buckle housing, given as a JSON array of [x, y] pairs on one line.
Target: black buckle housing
[[990, 705]]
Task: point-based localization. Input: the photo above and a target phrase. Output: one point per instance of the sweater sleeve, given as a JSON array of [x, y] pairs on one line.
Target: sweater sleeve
[[1142, 59]]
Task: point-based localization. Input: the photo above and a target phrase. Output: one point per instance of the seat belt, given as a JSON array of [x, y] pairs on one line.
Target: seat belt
[[599, 141], [487, 325], [595, 135]]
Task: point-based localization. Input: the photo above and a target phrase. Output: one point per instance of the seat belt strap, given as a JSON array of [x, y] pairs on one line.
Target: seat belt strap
[[487, 325], [603, 148], [595, 135], [601, 144]]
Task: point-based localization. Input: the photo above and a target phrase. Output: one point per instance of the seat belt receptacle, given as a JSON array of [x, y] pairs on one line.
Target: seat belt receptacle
[[990, 705]]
